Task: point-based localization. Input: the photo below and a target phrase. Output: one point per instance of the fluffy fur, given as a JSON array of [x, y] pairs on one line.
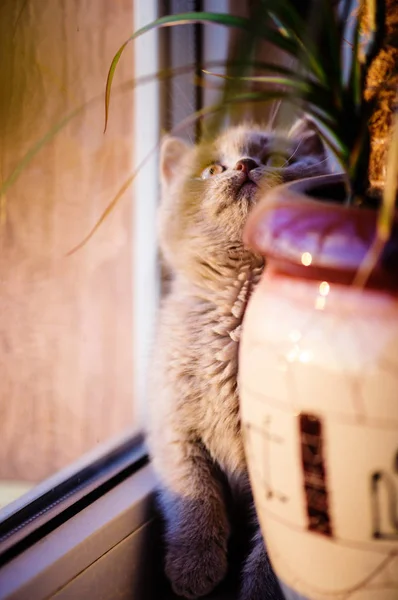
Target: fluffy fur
[[194, 432]]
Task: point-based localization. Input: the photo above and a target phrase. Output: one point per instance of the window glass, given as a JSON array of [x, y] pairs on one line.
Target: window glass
[[66, 320]]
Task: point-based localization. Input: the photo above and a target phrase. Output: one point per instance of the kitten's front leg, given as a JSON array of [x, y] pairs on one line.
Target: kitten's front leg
[[197, 528], [259, 580]]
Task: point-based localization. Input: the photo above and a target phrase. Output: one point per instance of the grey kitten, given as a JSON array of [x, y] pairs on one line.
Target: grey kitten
[[194, 427]]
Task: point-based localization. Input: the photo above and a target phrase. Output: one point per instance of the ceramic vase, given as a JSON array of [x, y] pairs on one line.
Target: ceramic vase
[[319, 395]]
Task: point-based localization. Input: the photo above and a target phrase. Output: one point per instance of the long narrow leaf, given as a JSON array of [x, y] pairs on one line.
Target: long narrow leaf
[[246, 46], [287, 78], [170, 21], [247, 97], [267, 32], [126, 184], [312, 99], [62, 123], [287, 18], [109, 208], [355, 78], [243, 98], [331, 54], [298, 34]]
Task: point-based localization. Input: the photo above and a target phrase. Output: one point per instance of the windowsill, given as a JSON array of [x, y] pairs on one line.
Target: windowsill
[[111, 549]]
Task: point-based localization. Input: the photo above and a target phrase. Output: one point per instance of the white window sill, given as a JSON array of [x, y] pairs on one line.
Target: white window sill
[[109, 550]]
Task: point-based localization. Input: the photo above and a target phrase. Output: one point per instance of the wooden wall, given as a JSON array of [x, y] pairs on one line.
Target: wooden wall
[[65, 322]]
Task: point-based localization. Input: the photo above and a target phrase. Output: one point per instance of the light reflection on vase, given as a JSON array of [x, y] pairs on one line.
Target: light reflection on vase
[[319, 394]]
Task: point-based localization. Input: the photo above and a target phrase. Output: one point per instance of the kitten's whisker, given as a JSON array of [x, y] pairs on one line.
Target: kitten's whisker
[[275, 110], [291, 156], [320, 162]]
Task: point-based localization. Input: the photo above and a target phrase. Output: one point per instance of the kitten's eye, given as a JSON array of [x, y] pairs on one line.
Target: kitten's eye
[[276, 159], [212, 170]]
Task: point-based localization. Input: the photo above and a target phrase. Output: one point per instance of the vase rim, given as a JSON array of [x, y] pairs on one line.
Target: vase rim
[[319, 238]]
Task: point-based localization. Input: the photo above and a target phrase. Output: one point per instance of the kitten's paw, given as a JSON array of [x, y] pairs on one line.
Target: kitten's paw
[[260, 588], [194, 570], [259, 580]]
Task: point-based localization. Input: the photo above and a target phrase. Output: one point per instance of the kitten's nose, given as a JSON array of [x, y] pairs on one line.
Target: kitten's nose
[[245, 165]]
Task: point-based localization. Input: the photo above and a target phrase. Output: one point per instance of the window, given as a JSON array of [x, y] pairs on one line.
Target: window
[[75, 323], [66, 325]]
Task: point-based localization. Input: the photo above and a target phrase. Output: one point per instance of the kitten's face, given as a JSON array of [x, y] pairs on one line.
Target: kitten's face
[[209, 190]]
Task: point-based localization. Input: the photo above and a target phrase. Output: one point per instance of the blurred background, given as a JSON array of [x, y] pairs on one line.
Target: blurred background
[[65, 348]]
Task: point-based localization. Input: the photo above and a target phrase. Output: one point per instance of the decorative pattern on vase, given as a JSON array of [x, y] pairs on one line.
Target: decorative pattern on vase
[[380, 480], [314, 474], [319, 392]]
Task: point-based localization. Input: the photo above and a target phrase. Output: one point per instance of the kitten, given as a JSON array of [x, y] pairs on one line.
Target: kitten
[[194, 432]]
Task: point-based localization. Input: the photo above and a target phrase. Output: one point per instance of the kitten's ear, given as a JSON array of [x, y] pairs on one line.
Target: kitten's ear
[[310, 140], [171, 152]]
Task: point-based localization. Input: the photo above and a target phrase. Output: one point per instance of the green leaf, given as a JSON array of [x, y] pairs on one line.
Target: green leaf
[[289, 82], [331, 54], [169, 21], [245, 46], [261, 29], [355, 80], [250, 97], [287, 78], [292, 25], [108, 209], [126, 184], [52, 132], [326, 128]]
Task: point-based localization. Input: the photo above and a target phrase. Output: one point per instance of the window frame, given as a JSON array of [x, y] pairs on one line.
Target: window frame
[[57, 499], [51, 508], [65, 553], [44, 497], [146, 280]]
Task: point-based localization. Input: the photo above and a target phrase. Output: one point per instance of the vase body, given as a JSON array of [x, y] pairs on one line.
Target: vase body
[[319, 404]]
